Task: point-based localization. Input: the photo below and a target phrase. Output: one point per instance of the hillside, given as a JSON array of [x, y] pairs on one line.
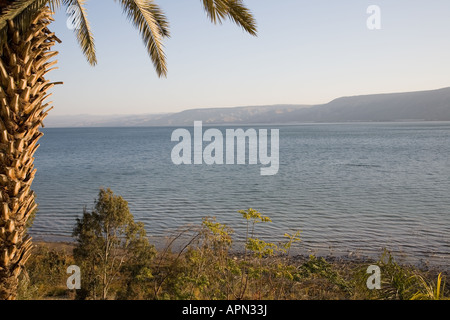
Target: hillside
[[433, 105]]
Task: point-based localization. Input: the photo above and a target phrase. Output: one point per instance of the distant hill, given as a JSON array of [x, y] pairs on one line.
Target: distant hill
[[433, 105]]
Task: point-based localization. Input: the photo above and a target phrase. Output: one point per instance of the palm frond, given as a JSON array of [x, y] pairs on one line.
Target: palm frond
[[22, 10], [242, 16], [83, 31], [14, 9], [235, 10], [216, 10], [153, 26], [145, 15]]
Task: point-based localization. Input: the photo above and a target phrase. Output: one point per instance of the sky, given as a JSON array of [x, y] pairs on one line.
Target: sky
[[306, 52]]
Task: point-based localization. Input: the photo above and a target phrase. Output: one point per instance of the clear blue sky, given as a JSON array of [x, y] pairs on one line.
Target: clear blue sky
[[307, 52]]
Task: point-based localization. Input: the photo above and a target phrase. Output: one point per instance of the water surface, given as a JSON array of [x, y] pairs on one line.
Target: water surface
[[348, 187]]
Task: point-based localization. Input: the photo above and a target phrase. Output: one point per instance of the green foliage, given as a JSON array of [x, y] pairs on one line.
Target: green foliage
[[397, 282], [136, 272], [286, 247], [431, 291], [254, 216], [45, 274], [265, 273], [201, 262], [108, 242], [204, 270], [319, 267], [260, 248], [208, 270]]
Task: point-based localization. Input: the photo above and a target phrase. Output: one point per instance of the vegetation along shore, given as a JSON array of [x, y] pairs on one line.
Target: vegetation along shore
[[117, 261]]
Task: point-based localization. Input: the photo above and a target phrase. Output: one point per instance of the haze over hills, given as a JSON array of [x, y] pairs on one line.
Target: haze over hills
[[432, 105]]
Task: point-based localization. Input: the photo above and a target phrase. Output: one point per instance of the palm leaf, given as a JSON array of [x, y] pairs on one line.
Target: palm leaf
[[145, 15], [218, 10], [242, 16], [22, 10], [16, 8], [151, 22], [83, 32]]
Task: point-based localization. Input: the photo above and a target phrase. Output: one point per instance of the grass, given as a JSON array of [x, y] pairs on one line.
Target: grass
[[201, 263], [180, 276]]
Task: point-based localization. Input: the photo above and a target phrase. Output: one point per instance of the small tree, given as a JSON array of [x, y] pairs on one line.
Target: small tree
[[108, 240]]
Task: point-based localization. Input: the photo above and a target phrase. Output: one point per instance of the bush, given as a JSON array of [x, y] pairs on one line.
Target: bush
[[117, 261], [112, 250], [45, 275]]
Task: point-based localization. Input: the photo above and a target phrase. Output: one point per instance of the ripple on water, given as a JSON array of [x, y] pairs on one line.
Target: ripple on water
[[353, 187]]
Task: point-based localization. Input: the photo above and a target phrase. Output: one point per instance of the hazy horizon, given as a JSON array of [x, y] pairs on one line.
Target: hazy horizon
[[234, 107], [230, 107]]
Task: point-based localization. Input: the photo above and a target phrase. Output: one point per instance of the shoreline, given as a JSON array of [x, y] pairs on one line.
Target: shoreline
[[296, 257], [293, 277]]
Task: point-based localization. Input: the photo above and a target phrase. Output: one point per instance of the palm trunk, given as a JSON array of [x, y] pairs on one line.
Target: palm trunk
[[23, 89]]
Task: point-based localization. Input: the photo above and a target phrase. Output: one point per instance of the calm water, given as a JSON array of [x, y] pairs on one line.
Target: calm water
[[348, 187]]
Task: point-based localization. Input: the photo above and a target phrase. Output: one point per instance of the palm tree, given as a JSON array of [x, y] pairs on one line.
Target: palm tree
[[25, 54]]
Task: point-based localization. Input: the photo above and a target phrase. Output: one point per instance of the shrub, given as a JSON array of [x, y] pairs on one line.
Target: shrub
[[109, 242]]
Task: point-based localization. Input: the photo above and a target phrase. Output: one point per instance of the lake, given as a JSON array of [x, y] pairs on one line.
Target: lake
[[350, 188]]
